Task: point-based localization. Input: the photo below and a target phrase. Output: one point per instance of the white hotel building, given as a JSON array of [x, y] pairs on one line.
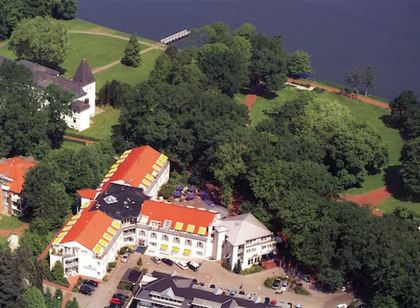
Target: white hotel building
[[122, 212]]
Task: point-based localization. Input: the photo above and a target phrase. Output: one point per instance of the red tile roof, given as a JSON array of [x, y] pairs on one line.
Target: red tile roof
[[87, 193], [88, 229], [135, 166], [186, 215], [16, 168]]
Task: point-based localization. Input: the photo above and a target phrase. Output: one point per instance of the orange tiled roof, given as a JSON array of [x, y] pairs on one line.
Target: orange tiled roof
[[88, 229], [16, 168], [181, 216], [87, 193], [135, 167]]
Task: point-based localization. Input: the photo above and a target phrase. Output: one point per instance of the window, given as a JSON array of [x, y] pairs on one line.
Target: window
[[177, 240], [200, 244], [142, 233], [74, 120], [188, 242], [153, 235], [155, 224], [164, 237], [199, 253], [153, 244]]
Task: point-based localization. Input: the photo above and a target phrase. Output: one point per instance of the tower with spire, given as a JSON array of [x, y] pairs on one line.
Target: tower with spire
[[86, 80]]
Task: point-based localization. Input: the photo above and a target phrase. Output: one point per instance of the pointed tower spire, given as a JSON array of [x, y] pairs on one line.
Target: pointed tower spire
[[83, 74]]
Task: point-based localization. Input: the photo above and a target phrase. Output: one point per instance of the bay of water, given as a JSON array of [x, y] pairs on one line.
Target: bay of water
[[338, 34]]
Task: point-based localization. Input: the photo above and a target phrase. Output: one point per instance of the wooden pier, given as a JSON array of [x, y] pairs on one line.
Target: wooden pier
[[175, 37]]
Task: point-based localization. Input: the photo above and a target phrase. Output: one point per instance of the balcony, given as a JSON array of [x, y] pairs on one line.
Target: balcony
[[71, 265]]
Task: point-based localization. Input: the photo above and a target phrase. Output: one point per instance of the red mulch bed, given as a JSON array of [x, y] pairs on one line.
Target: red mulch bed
[[375, 197], [250, 100]]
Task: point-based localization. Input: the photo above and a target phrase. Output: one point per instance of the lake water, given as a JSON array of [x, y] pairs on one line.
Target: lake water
[[338, 34]]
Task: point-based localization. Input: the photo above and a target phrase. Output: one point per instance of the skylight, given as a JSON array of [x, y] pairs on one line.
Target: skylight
[[110, 199]]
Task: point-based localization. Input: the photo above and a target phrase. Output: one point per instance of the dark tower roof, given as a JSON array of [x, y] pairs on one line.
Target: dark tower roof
[[83, 74]]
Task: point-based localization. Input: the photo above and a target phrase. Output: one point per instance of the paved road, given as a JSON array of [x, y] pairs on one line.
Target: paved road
[[100, 298], [213, 272]]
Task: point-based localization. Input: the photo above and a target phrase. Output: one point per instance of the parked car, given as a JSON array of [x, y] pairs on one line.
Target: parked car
[[193, 266], [275, 285], [167, 261], [124, 257], [212, 286], [342, 306], [182, 265], [86, 289], [298, 306], [115, 301], [156, 260], [91, 283], [232, 293], [267, 301], [122, 297]]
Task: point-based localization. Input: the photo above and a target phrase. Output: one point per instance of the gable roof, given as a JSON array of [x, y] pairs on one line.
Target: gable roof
[[182, 218], [92, 229], [15, 169], [83, 74], [87, 193], [135, 168], [243, 227]]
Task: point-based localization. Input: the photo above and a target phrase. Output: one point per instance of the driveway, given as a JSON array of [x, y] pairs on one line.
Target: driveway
[[100, 298], [213, 272]]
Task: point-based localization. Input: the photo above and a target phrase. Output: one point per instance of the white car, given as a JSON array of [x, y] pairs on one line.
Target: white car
[[182, 265], [342, 306], [124, 257]]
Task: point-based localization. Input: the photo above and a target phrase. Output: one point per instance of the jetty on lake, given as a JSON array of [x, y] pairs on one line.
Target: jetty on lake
[[175, 37]]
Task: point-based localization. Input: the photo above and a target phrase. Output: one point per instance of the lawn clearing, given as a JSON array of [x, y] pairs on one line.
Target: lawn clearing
[[100, 125], [127, 74], [72, 145], [392, 203], [5, 52], [98, 50], [9, 222]]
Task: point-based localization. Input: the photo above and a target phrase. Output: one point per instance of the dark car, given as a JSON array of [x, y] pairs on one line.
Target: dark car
[[167, 261], [212, 286], [193, 266], [275, 285], [267, 301], [86, 289], [92, 283]]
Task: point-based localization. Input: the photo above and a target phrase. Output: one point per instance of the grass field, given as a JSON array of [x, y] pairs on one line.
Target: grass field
[[101, 125], [126, 74], [392, 203], [8, 222], [72, 145], [99, 51]]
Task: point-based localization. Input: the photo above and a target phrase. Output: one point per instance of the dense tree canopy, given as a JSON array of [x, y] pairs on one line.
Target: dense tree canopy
[[27, 124], [299, 64], [50, 187], [41, 39]]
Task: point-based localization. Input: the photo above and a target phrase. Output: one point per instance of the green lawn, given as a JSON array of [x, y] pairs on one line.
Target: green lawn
[[72, 145], [8, 222], [101, 124], [5, 52], [128, 74], [392, 203], [98, 50]]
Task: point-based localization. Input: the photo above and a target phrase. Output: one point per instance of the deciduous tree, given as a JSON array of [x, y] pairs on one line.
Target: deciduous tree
[[299, 64], [40, 39], [34, 298]]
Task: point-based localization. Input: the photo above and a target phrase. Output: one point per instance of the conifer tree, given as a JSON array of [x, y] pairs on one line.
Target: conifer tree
[[132, 55]]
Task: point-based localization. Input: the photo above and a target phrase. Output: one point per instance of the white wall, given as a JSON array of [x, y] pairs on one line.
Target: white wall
[[162, 179], [90, 89], [78, 121]]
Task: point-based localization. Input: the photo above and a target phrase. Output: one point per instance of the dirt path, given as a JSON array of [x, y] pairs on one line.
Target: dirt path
[[250, 100], [363, 99], [17, 231], [2, 44], [156, 45], [99, 69], [78, 139], [374, 197]]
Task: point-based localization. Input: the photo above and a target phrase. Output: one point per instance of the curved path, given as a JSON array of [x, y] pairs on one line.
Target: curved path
[[121, 37], [17, 231], [362, 98], [109, 65], [250, 100], [78, 139]]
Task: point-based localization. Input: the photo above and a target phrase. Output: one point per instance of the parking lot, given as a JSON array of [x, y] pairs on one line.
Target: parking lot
[[213, 273]]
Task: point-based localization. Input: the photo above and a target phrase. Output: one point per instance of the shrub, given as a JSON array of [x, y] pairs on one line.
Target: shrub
[[302, 291], [110, 266], [125, 286], [269, 282], [123, 250], [57, 274], [253, 269]]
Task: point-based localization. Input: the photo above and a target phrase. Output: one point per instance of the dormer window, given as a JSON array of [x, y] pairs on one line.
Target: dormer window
[[110, 199]]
